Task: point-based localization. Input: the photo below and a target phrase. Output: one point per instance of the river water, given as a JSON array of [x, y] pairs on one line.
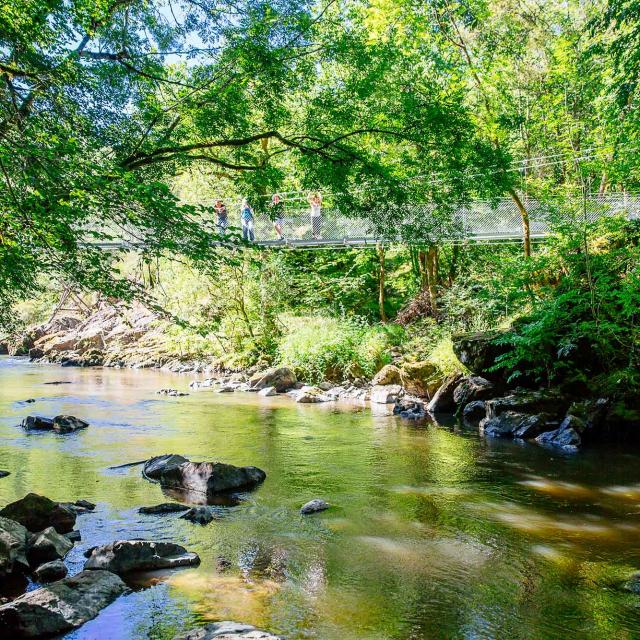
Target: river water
[[433, 532]]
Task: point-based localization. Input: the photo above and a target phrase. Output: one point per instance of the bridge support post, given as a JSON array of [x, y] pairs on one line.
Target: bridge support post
[[381, 277]]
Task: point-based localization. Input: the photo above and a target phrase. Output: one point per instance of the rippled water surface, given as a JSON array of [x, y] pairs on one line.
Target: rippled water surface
[[434, 533]]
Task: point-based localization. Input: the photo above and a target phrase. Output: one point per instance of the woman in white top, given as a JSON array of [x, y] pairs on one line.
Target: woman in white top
[[315, 202]]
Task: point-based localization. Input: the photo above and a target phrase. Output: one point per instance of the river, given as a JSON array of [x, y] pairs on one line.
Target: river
[[433, 533]]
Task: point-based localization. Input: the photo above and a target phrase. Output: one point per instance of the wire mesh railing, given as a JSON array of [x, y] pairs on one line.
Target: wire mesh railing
[[480, 221]]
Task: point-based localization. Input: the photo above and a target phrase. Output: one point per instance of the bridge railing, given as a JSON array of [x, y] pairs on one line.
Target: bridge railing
[[483, 221]]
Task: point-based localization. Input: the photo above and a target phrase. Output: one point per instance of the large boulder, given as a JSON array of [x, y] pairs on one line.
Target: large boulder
[[472, 388], [61, 606], [46, 546], [550, 402], [125, 556], [442, 401], [421, 379], [38, 512], [227, 631], [511, 424], [478, 352], [13, 548], [154, 467], [281, 378], [386, 394], [211, 477], [389, 374]]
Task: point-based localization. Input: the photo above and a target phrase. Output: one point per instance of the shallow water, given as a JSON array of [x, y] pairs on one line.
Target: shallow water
[[434, 533]]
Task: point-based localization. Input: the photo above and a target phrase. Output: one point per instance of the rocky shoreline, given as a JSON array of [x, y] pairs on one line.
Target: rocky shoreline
[[566, 417]]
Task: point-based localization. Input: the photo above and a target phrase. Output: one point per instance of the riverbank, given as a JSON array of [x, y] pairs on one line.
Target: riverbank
[[563, 417]]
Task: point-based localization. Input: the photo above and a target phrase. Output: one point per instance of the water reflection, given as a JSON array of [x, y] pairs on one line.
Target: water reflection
[[433, 533]]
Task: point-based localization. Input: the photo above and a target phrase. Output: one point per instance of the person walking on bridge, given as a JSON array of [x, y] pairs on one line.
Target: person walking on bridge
[[221, 214], [246, 217], [315, 202], [277, 215]]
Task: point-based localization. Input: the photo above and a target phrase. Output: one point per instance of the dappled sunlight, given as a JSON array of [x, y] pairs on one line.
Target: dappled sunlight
[[579, 526], [221, 597]]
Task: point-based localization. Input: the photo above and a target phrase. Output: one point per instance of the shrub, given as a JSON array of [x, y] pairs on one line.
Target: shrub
[[322, 348]]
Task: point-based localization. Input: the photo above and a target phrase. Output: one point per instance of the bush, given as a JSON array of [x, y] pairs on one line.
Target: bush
[[321, 348]]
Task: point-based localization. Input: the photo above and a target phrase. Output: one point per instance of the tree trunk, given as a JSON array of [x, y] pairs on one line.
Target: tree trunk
[[381, 276], [432, 276], [526, 226]]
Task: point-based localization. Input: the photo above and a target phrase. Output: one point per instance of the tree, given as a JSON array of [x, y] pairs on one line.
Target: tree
[[102, 103]]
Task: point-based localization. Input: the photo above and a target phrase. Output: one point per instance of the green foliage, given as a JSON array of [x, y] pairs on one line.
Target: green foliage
[[584, 323], [322, 348]]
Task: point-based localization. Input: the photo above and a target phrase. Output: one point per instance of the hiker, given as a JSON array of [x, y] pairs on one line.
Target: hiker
[[315, 202], [246, 217], [277, 215], [221, 214]]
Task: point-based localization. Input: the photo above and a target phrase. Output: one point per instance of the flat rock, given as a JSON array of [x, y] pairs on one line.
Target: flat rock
[[227, 630], [37, 512], [211, 477], [51, 571], [46, 546], [154, 467], [313, 506], [61, 606], [124, 556], [13, 548], [267, 392], [165, 507]]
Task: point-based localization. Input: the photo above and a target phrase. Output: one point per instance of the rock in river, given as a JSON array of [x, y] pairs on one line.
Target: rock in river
[[67, 424], [227, 631], [200, 515], [51, 571], [124, 556], [165, 507], [281, 378], [211, 477], [13, 548], [313, 506], [37, 422], [38, 512], [46, 546], [61, 606], [154, 467], [4, 474]]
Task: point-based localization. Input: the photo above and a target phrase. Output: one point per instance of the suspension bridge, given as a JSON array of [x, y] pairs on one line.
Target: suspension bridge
[[483, 222]]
